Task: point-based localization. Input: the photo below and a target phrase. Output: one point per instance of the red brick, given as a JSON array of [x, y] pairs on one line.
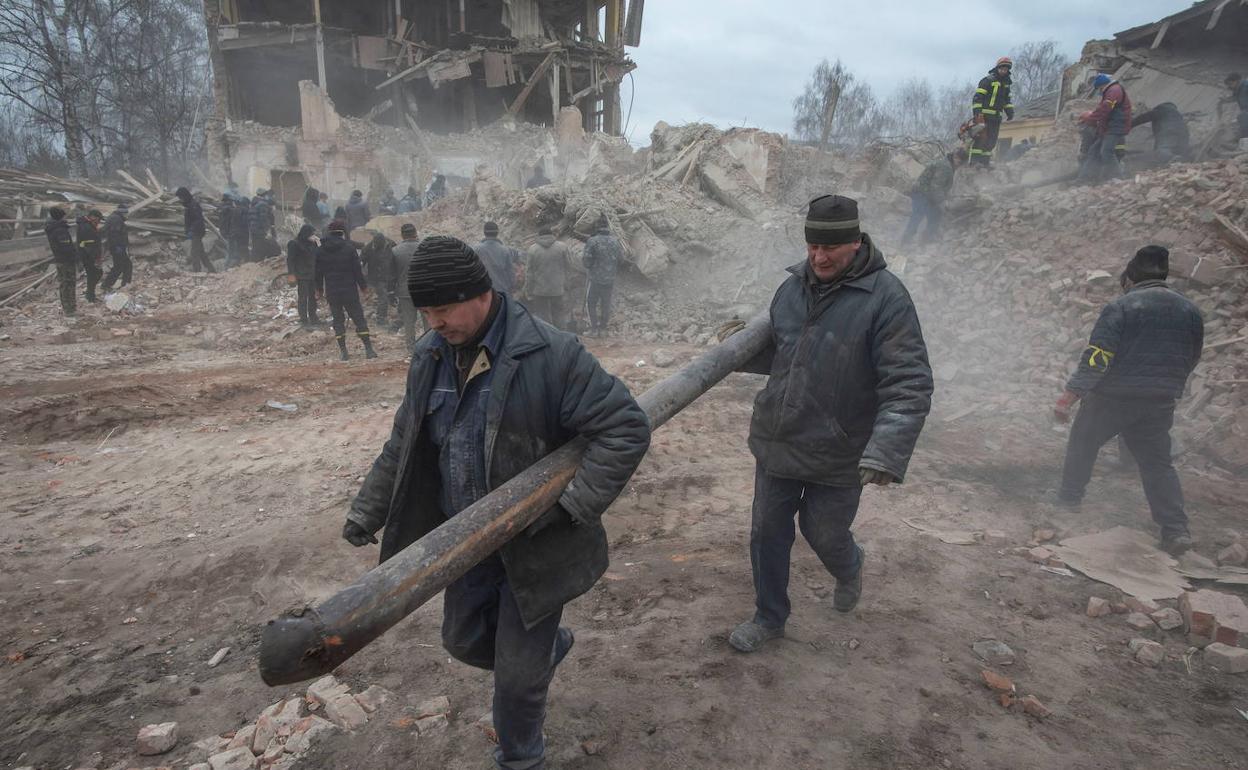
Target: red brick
[[1098, 607], [1212, 616]]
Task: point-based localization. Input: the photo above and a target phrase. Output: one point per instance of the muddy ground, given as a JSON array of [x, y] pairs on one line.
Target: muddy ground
[[156, 510]]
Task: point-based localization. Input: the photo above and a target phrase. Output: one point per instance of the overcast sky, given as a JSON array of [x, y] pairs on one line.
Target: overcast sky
[[742, 62]]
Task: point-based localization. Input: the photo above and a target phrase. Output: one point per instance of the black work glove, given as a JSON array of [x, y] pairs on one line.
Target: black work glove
[[557, 513], [356, 535], [873, 476]]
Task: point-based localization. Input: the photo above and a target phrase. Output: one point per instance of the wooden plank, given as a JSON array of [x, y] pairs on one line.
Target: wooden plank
[[1232, 233], [533, 81], [1161, 34], [405, 74], [149, 200], [156, 185], [133, 182], [1217, 14]]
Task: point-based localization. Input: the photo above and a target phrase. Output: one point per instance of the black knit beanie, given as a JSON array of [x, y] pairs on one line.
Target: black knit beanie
[[832, 220], [491, 229], [1151, 263], [444, 271]]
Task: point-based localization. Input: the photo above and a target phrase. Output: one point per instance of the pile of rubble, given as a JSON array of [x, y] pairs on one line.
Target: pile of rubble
[[1012, 298]]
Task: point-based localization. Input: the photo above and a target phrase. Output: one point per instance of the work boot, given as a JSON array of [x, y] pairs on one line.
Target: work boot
[[342, 349], [563, 644], [847, 592], [1176, 545], [1066, 501], [368, 347], [749, 636]]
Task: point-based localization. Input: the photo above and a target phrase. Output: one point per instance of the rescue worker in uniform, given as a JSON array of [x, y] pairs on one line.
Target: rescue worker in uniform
[[602, 256], [377, 258], [301, 263], [490, 391], [340, 279], [1112, 122], [65, 255], [90, 250], [117, 242], [1142, 350], [402, 254], [848, 391], [991, 101]]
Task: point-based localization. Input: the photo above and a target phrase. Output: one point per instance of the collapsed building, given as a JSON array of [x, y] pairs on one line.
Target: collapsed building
[[345, 95]]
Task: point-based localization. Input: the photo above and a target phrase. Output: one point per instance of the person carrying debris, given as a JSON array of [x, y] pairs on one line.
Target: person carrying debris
[[927, 199], [1239, 95], [1112, 121], [301, 263], [65, 256], [546, 278], [849, 390], [90, 249], [117, 242], [1142, 351], [193, 223], [339, 279], [357, 211], [490, 392], [990, 102], [602, 256], [502, 261], [378, 259], [402, 254], [1171, 140]]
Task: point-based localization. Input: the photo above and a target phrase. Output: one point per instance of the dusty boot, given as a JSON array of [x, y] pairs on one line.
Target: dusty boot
[[845, 596], [1176, 545], [368, 346], [342, 348], [749, 636]]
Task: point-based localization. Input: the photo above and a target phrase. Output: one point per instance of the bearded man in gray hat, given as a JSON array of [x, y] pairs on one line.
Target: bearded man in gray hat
[[848, 392], [491, 391]]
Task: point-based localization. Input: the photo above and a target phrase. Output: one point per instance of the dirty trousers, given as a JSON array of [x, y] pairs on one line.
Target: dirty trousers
[[549, 309], [340, 308], [921, 208], [197, 256], [481, 626], [94, 274], [410, 316], [305, 296], [986, 141], [122, 268], [67, 283], [824, 515], [598, 304], [1145, 426]]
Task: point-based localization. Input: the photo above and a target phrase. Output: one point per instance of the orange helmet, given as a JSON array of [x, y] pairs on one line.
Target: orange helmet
[[1005, 61]]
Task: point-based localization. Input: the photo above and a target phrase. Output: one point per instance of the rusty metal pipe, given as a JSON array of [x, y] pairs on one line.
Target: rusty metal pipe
[[312, 641]]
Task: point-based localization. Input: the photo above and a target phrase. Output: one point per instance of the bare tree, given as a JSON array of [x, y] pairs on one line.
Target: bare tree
[[834, 105], [1038, 68]]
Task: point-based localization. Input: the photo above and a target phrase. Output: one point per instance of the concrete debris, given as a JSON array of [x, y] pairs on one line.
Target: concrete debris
[[234, 759], [1140, 622], [1167, 619], [325, 689], [1148, 652], [218, 656], [1233, 555], [432, 723], [1212, 616], [433, 707], [993, 652], [344, 711], [157, 739], [1227, 659], [373, 698], [663, 358], [1098, 607]]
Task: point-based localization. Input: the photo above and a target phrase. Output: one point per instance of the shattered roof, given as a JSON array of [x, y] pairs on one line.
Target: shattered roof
[[1158, 29]]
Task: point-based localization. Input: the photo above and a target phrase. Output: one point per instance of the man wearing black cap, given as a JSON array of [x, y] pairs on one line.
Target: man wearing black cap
[[402, 254], [489, 393], [340, 279], [1142, 350], [193, 224], [848, 392], [90, 249], [501, 261], [117, 241], [602, 256], [61, 240]]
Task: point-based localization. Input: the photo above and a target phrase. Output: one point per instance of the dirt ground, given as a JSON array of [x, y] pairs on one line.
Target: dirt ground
[[156, 510]]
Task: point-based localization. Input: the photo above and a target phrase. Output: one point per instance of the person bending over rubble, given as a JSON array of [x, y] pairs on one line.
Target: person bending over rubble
[[65, 255], [1143, 348], [490, 392], [927, 199], [849, 390], [340, 280], [1111, 121]]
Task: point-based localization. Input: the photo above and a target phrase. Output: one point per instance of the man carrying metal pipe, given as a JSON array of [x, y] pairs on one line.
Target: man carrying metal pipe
[[490, 392], [848, 392]]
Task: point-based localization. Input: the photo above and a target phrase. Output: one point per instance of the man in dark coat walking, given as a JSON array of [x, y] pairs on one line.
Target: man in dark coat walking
[[193, 224], [301, 263], [377, 257], [65, 255], [1142, 350], [491, 391], [848, 392], [602, 256], [340, 279], [117, 242], [90, 249]]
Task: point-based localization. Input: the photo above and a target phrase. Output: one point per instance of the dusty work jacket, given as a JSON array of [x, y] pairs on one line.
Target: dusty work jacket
[[90, 244], [992, 97], [547, 270], [546, 390], [1144, 345], [936, 181], [500, 261], [850, 383], [116, 233], [338, 273], [1113, 114], [61, 240]]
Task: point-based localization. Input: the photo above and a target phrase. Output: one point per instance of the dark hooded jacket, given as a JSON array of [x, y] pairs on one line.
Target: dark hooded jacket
[[338, 273], [547, 389], [547, 270], [116, 234], [61, 240], [1169, 128], [301, 255], [377, 257], [850, 383], [261, 217], [1144, 346], [192, 215], [90, 242], [357, 212]]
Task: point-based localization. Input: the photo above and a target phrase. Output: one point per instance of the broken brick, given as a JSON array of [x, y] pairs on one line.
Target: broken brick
[[1213, 616], [1034, 708], [1227, 659], [157, 739], [1167, 618], [1233, 555], [1148, 652], [345, 712], [1039, 554], [995, 681], [1140, 622], [1098, 607]]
